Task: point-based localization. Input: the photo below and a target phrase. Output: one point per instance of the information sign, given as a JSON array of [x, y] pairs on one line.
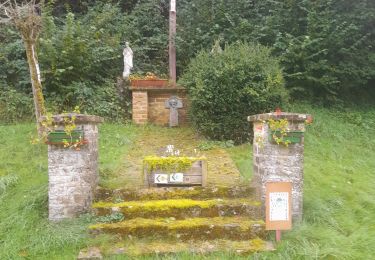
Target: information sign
[[278, 205], [176, 177], [161, 178]]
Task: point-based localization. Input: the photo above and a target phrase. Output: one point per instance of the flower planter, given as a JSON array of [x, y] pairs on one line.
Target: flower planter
[[175, 171], [149, 82], [60, 137], [292, 137]]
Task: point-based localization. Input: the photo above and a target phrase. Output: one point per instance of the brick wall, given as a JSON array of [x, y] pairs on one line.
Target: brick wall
[[158, 114], [140, 107], [149, 106]]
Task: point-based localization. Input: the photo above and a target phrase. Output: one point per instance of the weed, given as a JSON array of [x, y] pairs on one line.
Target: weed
[[114, 217]]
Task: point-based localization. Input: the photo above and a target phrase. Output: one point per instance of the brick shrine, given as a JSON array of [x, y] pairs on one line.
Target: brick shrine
[[148, 102]]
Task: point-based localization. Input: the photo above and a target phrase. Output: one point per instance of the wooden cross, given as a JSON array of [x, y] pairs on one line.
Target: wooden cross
[[172, 43]]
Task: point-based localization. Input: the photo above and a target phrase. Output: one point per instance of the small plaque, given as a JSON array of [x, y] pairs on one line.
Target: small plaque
[[176, 177], [161, 178], [278, 205]]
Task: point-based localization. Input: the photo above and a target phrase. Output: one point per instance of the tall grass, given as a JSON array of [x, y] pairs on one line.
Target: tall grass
[[339, 181]]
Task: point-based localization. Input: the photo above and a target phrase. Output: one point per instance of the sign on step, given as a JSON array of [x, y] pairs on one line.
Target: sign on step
[[163, 178]]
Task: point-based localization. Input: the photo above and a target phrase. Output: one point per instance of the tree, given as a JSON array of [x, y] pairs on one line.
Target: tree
[[26, 18]]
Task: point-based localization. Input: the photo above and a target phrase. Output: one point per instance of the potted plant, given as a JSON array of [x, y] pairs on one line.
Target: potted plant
[[61, 137], [65, 134], [280, 133], [150, 80]]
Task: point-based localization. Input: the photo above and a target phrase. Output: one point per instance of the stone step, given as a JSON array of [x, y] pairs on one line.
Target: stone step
[[234, 228], [138, 248], [181, 208], [240, 191]]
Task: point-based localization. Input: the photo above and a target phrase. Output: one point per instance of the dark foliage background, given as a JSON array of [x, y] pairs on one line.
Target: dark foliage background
[[325, 47]]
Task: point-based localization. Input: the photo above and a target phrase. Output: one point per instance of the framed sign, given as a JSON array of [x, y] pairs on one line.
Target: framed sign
[[278, 205], [161, 178], [176, 177]]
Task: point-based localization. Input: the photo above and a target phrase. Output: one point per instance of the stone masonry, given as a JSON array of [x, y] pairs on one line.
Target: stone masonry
[[73, 174], [276, 162], [149, 104]]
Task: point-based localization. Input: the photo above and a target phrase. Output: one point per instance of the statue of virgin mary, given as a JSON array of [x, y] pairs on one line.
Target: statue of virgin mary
[[128, 60]]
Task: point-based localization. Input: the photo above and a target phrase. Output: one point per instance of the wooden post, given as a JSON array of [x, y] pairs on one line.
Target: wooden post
[[204, 173], [278, 235], [172, 43]]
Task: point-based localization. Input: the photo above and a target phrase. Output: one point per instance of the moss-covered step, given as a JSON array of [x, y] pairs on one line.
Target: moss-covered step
[[137, 248], [181, 208], [240, 191], [234, 228]]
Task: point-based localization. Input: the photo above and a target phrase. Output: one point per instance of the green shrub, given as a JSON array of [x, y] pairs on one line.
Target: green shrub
[[15, 106], [103, 100], [226, 87]]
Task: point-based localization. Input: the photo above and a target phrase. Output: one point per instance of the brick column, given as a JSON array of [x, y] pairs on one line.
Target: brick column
[[73, 174], [274, 162], [140, 107]]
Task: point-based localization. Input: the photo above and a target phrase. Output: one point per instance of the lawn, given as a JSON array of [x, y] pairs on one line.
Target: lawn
[[339, 197]]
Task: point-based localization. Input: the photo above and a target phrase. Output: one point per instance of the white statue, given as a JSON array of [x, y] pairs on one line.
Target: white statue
[[128, 60]]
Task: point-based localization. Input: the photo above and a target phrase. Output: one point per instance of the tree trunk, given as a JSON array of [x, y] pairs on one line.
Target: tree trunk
[[36, 83]]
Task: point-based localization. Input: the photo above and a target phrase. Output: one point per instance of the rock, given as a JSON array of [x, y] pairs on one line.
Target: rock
[[119, 251], [90, 253]]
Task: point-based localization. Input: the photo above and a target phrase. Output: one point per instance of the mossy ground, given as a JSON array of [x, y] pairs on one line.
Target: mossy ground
[[181, 208], [235, 228], [196, 192], [152, 140], [156, 248], [156, 205]]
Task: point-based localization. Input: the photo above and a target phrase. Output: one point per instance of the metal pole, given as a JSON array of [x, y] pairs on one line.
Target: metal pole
[[172, 44]]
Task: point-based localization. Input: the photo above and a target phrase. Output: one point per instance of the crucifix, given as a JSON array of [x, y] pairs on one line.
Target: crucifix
[[172, 42], [173, 103]]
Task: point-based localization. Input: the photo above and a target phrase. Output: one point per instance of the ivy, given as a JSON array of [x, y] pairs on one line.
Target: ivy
[[170, 163], [279, 130]]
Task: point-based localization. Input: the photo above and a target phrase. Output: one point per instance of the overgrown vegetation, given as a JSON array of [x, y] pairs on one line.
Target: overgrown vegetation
[[170, 163], [325, 47], [227, 86]]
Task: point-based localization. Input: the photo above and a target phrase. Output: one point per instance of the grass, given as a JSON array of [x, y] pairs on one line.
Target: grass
[[242, 157], [339, 181], [24, 229], [339, 193]]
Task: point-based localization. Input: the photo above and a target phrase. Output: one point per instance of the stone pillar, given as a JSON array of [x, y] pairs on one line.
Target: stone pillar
[[274, 162], [140, 107], [73, 173]]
